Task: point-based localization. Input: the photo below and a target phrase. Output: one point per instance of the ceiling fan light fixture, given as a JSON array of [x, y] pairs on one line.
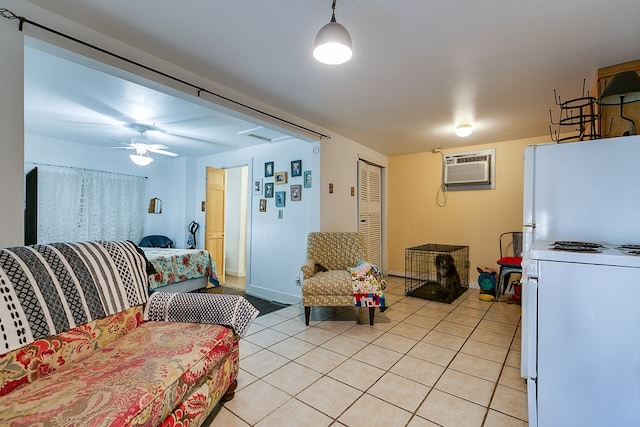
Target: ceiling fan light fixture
[[140, 160], [464, 130], [333, 42]]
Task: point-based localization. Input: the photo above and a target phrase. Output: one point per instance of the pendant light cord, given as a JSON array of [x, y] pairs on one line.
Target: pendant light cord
[[6, 13]]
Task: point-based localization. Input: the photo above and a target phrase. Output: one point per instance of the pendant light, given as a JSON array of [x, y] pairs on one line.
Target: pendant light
[[333, 42]]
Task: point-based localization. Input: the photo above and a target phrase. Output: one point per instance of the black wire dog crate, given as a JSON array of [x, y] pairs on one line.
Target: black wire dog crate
[[436, 272]]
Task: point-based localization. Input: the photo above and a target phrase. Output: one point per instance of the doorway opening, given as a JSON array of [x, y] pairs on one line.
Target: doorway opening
[[236, 223]]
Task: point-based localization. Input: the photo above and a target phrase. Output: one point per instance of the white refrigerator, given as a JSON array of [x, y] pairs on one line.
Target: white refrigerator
[[580, 324]]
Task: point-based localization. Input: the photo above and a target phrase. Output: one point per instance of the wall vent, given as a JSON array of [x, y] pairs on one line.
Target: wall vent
[[470, 169]]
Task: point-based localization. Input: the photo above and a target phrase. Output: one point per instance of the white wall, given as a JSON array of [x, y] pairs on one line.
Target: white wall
[[276, 247], [11, 123], [340, 166]]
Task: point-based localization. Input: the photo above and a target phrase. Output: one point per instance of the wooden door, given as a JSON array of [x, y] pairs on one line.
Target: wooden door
[[214, 218]]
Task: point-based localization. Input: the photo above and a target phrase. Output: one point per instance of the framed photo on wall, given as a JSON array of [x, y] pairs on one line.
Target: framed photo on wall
[[307, 179], [296, 168], [268, 169], [268, 190], [263, 205], [257, 187], [280, 198], [281, 178], [296, 193]]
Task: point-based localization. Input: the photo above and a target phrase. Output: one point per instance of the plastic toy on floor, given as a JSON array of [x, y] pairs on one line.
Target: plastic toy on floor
[[487, 283]]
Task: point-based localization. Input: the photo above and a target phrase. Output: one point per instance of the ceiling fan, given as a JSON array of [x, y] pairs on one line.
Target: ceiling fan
[[143, 148]]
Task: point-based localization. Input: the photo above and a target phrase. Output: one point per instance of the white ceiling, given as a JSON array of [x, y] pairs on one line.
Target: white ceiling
[[91, 103], [418, 68]]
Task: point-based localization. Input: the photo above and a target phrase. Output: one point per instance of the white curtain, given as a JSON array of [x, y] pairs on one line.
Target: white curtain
[[81, 204]]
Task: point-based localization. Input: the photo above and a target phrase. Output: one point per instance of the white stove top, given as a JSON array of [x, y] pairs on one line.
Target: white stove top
[[610, 255]]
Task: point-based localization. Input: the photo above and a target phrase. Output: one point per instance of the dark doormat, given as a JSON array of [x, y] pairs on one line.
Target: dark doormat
[[262, 305]]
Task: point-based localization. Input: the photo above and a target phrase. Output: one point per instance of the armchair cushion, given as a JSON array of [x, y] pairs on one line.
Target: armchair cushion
[[332, 282], [336, 250]]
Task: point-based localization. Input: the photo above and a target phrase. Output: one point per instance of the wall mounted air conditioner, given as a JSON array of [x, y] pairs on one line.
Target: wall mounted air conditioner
[[470, 169]]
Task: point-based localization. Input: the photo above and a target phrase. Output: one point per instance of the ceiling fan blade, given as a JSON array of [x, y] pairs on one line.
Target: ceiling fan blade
[[124, 147], [166, 153], [156, 146]]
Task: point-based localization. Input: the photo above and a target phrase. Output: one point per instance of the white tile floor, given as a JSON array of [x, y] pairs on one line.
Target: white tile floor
[[423, 363]]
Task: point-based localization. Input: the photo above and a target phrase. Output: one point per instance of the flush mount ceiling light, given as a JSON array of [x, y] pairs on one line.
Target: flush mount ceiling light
[[333, 42], [464, 130], [141, 158]]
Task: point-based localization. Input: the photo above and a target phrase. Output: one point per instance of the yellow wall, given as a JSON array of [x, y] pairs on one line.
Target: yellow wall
[[470, 218]]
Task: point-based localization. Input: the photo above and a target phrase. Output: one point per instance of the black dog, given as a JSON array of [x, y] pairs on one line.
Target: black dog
[[448, 277]]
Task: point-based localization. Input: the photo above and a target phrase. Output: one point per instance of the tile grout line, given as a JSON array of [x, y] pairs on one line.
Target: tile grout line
[[369, 343]]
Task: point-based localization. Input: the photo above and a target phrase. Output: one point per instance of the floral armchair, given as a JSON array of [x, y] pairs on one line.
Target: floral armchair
[[327, 279]]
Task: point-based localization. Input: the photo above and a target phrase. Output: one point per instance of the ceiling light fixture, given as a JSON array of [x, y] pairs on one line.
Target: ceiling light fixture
[[333, 42], [141, 160], [464, 130], [624, 88]]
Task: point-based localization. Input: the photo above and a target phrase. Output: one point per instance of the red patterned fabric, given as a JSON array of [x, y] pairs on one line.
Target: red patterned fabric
[[138, 379], [47, 355]]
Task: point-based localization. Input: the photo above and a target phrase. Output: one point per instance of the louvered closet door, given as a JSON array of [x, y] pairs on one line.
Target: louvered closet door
[[370, 209]]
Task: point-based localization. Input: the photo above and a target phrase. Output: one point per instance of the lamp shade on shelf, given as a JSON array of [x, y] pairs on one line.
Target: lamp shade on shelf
[[140, 160], [332, 44], [624, 88]]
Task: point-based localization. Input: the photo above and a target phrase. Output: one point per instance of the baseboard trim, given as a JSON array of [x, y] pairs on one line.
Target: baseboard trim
[[271, 295]]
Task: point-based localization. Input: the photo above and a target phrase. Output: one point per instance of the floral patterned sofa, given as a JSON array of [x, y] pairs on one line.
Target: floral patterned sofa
[[77, 349], [333, 277]]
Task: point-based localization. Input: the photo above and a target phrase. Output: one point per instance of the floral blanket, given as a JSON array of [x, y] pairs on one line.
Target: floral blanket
[[368, 284], [178, 265]]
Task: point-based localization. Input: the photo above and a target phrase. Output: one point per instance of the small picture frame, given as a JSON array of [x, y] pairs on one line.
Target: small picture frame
[[268, 169], [268, 190], [296, 168], [263, 205], [257, 187], [280, 215], [296, 193], [280, 198], [307, 179], [281, 177]]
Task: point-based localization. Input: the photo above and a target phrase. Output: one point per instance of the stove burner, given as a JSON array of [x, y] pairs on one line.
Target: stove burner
[[576, 248], [571, 246], [579, 244], [634, 247], [634, 252]]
